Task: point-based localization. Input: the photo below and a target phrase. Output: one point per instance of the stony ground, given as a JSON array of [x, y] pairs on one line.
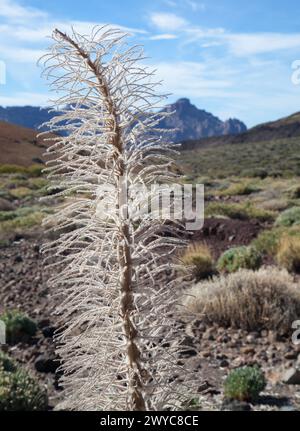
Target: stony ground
[[213, 351], [23, 286]]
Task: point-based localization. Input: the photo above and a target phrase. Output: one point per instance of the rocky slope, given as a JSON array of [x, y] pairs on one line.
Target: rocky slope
[[20, 145], [284, 128], [193, 123]]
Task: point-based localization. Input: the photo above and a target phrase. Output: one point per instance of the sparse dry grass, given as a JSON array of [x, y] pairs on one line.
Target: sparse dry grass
[[243, 211], [288, 254], [198, 258], [239, 189], [252, 300]]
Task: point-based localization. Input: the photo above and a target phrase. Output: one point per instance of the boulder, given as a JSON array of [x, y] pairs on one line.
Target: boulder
[[291, 376]]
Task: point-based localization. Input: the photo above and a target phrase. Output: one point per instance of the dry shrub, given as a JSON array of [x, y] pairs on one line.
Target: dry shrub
[[198, 258], [264, 299], [274, 205], [288, 254]]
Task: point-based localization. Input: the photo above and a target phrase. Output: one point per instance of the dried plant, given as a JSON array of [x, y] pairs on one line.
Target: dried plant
[[119, 341]]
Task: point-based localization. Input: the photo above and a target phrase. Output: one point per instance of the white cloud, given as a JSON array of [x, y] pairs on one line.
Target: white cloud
[[241, 44], [21, 55], [25, 98], [194, 79], [11, 10], [167, 21], [164, 36], [260, 43]]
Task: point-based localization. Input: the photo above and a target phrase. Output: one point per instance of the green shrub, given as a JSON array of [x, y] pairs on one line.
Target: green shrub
[[32, 171], [38, 183], [267, 242], [289, 217], [244, 384], [199, 259], [22, 224], [20, 392], [239, 189], [12, 169], [20, 192], [238, 211], [35, 170], [6, 363], [18, 326], [255, 173], [239, 257]]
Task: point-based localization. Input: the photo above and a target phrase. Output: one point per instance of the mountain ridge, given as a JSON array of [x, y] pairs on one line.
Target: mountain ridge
[[283, 128], [189, 121], [193, 123]]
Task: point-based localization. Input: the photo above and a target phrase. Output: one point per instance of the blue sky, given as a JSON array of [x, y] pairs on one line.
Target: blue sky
[[232, 58]]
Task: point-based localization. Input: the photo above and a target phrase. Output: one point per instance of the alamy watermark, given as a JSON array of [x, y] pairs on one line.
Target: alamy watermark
[[295, 78], [2, 332], [296, 333], [180, 202], [2, 73]]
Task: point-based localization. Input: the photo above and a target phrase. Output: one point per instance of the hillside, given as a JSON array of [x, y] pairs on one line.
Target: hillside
[[284, 128], [278, 157], [26, 116], [20, 145]]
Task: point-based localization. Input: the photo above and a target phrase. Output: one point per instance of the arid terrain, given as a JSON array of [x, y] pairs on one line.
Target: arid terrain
[[258, 209]]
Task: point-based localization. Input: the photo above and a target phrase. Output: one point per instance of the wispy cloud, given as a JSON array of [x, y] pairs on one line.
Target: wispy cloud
[[237, 44], [164, 36], [11, 10], [260, 43], [167, 21], [25, 98], [195, 5]]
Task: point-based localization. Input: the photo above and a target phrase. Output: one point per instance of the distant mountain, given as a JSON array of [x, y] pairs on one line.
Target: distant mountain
[[193, 123], [190, 122], [26, 116], [287, 127], [20, 145]]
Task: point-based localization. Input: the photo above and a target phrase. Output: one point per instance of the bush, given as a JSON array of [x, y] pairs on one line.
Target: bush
[[239, 257], [294, 192], [267, 242], [12, 169], [198, 257], [33, 170], [288, 254], [289, 217], [274, 205], [244, 384], [18, 326], [20, 392], [239, 189], [6, 363], [20, 192], [22, 224], [252, 300], [255, 173], [238, 211]]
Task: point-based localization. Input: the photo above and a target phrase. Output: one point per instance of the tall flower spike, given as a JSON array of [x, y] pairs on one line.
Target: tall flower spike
[[119, 341]]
